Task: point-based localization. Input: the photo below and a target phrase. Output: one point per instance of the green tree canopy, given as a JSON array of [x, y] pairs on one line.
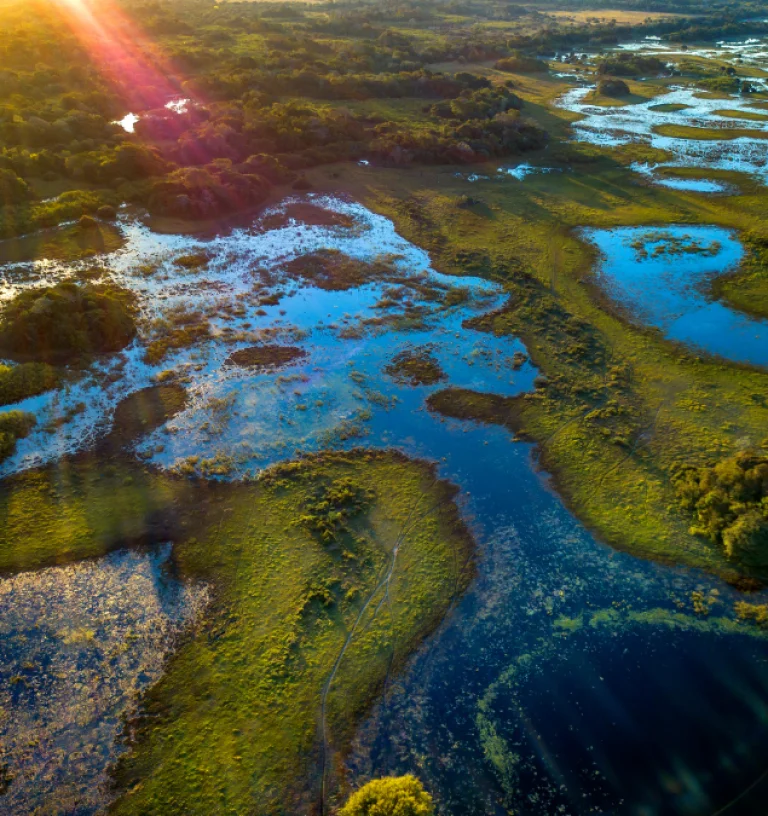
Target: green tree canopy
[[390, 796]]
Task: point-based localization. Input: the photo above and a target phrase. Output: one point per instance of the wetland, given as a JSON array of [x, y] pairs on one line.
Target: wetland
[[402, 414]]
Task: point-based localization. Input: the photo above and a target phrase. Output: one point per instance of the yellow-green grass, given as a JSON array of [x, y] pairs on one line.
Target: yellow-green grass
[[669, 107], [672, 406], [744, 182], [742, 114], [746, 290], [67, 243], [391, 110], [236, 725], [708, 134], [621, 16]]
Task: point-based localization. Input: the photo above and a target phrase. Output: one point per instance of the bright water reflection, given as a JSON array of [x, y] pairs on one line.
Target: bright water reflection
[[663, 275], [78, 646], [639, 123]]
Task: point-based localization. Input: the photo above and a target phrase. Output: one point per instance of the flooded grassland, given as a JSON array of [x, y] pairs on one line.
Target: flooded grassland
[[298, 583]]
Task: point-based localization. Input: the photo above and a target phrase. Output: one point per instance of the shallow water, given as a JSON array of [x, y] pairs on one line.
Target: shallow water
[[695, 185], [751, 50], [543, 581], [627, 124], [663, 275], [78, 646], [518, 172], [581, 629]]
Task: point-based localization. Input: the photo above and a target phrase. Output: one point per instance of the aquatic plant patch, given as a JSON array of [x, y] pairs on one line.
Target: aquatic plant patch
[[415, 367], [266, 358]]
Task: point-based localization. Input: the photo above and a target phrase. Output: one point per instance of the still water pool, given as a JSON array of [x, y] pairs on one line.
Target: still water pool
[[663, 277]]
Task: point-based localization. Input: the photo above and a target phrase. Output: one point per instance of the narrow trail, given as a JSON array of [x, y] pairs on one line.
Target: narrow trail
[[384, 583]]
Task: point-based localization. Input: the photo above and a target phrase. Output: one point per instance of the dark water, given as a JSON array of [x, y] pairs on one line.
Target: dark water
[[571, 679]]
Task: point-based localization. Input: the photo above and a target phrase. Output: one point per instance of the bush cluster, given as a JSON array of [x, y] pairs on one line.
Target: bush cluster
[[62, 322], [729, 504]]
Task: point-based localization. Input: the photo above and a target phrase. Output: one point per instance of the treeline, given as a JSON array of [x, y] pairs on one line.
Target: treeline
[[265, 80], [57, 120], [631, 65]]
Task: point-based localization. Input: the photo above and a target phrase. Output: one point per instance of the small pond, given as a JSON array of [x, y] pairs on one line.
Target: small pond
[[663, 277]]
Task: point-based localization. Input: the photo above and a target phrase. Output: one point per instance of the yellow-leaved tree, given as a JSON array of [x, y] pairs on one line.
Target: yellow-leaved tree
[[390, 796]]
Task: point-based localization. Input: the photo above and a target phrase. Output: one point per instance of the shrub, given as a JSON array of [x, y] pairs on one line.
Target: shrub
[[87, 223], [390, 796], [64, 321], [13, 190], [520, 64], [332, 506], [206, 192], [729, 502], [613, 87], [13, 425], [26, 380], [626, 64]]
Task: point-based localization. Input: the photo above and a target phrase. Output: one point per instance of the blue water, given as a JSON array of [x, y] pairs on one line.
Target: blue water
[[478, 713], [665, 283]]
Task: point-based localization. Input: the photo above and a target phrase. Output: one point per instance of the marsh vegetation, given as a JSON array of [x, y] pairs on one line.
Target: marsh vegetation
[[289, 292]]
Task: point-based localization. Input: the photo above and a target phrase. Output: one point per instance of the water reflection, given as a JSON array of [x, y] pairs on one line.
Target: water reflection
[[663, 277], [647, 123], [481, 711]]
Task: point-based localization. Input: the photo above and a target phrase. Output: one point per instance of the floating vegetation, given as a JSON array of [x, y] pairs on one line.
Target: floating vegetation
[[660, 243], [333, 271], [79, 645], [266, 358], [415, 367]]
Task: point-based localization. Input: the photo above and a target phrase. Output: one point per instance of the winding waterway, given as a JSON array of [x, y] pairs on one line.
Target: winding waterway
[[564, 652]]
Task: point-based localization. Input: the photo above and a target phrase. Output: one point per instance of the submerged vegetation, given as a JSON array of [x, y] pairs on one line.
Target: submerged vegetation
[[416, 367], [266, 357]]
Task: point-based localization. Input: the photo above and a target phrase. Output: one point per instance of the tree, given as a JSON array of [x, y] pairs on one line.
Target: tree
[[390, 796]]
